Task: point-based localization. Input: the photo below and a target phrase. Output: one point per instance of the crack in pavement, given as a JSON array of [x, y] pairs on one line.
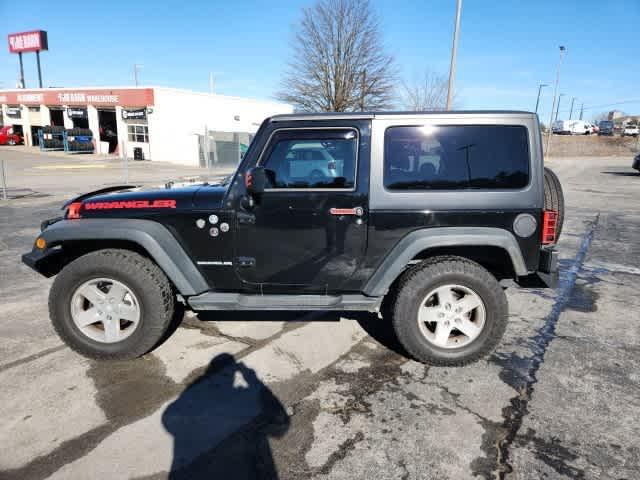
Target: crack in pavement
[[518, 407], [31, 358]]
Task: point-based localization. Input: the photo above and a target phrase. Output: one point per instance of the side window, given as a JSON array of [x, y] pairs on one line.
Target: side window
[[300, 159], [456, 157]]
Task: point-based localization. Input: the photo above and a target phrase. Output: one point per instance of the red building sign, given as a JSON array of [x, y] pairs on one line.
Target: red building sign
[[33, 41], [101, 97]]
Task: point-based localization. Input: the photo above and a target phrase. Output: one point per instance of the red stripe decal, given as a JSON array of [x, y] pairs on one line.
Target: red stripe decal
[[343, 211]]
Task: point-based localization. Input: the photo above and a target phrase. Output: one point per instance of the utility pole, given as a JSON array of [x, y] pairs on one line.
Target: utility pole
[[454, 54], [540, 90], [558, 106], [136, 67], [363, 87], [555, 93], [212, 84], [581, 110], [571, 110]]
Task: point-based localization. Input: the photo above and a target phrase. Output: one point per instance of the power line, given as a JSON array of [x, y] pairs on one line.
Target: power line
[[612, 104], [604, 105]]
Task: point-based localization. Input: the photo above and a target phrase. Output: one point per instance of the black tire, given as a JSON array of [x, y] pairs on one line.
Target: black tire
[[145, 279], [554, 197], [414, 286]]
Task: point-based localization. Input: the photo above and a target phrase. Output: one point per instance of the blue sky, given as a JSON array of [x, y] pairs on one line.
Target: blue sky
[[507, 47]]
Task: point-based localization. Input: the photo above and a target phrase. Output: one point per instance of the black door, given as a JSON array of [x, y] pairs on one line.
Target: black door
[[307, 231]]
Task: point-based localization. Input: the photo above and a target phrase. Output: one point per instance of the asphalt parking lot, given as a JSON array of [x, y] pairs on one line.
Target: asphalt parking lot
[[308, 395]]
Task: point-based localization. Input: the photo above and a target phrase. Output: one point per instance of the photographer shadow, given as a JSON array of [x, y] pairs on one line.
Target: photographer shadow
[[222, 422]]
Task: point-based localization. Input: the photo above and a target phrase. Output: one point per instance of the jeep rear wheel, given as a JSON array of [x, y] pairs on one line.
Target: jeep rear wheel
[[449, 311], [111, 304]]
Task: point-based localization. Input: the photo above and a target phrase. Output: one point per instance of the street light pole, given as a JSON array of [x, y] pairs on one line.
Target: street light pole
[[558, 106], [581, 110], [212, 84], [555, 93], [136, 66], [571, 109], [454, 54], [540, 90]]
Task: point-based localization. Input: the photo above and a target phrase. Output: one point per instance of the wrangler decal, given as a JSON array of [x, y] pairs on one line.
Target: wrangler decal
[[130, 204]]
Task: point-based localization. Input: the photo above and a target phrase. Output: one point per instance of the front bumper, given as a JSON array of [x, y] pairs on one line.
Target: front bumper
[[547, 274], [46, 261]]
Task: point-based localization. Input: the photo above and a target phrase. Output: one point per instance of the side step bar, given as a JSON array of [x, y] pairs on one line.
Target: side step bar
[[240, 301]]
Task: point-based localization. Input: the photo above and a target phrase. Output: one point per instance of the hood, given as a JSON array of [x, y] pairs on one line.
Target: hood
[[172, 195]]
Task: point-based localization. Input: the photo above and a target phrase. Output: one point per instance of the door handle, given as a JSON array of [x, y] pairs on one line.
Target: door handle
[[246, 262], [357, 211]]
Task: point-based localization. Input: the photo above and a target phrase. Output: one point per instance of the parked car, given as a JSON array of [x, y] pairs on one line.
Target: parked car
[[595, 128], [636, 163], [416, 225], [9, 137], [631, 131], [314, 161], [606, 127]]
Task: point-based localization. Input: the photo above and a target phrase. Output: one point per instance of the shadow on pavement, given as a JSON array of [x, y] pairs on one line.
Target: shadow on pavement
[[380, 329], [623, 174], [227, 400]]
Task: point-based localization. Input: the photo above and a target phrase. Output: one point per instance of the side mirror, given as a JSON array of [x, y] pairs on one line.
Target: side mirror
[[255, 180]]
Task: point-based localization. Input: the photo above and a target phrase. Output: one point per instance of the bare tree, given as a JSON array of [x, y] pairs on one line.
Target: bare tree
[[601, 116], [427, 93], [339, 62]]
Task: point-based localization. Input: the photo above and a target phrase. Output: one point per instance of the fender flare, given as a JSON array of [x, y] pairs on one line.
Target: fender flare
[[419, 240], [156, 239]]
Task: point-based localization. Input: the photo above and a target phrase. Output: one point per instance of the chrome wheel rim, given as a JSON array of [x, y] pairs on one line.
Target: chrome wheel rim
[[105, 310], [451, 316]]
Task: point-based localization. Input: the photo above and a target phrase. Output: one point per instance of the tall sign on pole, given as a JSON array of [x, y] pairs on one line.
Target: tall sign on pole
[[25, 42]]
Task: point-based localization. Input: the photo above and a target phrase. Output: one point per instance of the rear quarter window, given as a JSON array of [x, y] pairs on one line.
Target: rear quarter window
[[456, 157]]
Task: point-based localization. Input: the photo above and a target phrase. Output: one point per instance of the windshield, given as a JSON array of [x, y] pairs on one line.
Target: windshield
[[606, 124]]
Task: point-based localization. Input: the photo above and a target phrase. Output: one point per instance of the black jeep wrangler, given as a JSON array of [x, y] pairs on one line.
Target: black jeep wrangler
[[423, 217]]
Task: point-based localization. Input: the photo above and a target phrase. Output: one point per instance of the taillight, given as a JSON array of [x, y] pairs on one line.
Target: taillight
[[549, 226], [74, 210]]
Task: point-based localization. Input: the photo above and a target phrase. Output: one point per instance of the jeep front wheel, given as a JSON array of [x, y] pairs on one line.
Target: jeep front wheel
[[449, 311], [111, 304]]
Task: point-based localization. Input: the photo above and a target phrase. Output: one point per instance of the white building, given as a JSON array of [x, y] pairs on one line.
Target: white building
[[161, 124]]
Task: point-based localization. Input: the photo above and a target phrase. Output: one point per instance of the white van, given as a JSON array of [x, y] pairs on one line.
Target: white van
[[560, 127], [572, 127]]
